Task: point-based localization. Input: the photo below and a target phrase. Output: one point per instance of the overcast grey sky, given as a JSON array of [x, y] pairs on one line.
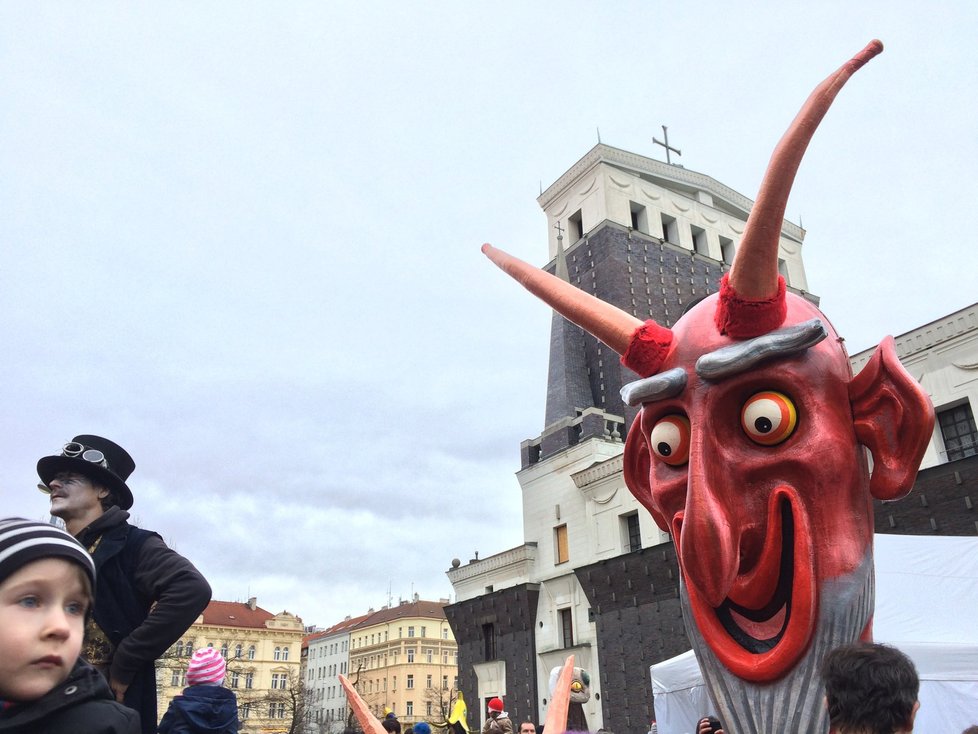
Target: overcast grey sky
[[242, 240]]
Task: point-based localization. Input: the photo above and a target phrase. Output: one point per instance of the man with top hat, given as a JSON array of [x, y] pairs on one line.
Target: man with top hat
[[148, 595]]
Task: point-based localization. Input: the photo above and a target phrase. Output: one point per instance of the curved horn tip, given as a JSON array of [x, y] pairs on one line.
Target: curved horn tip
[[873, 48]]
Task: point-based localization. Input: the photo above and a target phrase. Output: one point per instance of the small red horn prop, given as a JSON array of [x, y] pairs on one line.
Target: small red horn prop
[[560, 699], [369, 722]]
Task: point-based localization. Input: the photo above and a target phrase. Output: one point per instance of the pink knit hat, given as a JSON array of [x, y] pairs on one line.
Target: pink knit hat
[[206, 667]]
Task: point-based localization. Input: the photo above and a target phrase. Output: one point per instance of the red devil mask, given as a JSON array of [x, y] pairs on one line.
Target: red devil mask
[[748, 445]]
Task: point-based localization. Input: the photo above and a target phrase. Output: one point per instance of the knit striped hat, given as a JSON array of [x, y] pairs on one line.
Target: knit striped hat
[[23, 541], [206, 667]]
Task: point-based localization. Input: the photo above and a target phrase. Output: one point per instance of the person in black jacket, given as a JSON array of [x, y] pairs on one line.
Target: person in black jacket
[[205, 707], [46, 583], [148, 595]]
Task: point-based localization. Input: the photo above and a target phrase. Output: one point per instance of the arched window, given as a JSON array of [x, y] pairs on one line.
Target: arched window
[[237, 650], [251, 652], [278, 653], [179, 650], [224, 650]]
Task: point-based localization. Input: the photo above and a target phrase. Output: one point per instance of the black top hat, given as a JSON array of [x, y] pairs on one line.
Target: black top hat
[[97, 458]]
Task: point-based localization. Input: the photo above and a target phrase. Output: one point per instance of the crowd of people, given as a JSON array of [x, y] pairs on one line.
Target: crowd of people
[[86, 611]]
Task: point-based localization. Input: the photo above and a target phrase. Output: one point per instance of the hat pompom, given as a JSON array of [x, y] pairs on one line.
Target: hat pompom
[[495, 704]]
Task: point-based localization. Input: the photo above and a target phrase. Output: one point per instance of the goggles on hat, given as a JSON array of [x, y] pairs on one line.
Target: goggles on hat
[[75, 450]]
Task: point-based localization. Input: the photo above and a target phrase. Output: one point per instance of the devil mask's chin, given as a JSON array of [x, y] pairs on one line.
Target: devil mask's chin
[[795, 701]]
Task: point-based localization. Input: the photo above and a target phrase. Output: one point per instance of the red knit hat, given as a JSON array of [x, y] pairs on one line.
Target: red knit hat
[[206, 667], [496, 704]]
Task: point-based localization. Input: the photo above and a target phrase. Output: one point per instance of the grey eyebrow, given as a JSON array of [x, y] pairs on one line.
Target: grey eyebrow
[[667, 384], [739, 357]]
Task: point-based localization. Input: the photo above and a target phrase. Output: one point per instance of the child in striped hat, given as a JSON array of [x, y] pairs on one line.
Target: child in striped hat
[[205, 706], [47, 582]]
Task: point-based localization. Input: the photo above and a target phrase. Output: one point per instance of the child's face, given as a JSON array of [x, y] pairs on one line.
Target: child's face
[[42, 621]]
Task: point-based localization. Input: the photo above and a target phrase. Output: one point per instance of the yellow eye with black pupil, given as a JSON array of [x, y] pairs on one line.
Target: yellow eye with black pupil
[[769, 417], [670, 440]]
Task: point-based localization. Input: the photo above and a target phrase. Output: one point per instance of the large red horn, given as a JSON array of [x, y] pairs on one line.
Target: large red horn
[[754, 273], [606, 322]]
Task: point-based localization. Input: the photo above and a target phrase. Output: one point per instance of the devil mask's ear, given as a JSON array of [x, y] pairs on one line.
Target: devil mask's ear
[[894, 419]]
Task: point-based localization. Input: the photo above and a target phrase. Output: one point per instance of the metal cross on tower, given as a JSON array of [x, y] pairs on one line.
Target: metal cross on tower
[[665, 134]]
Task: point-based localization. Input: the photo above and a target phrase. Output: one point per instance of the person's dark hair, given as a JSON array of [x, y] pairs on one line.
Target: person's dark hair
[[971, 730], [869, 687], [391, 725]]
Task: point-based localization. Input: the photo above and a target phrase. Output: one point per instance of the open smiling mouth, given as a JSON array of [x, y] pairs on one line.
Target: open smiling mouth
[[765, 623], [759, 630]]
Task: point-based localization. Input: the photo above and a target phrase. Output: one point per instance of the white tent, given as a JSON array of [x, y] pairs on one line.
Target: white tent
[[926, 605]]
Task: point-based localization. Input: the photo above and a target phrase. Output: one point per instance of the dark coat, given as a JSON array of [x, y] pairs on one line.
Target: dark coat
[[83, 704], [202, 710], [146, 598]]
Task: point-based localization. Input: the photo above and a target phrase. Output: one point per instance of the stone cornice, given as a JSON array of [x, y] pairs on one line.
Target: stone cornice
[[927, 336], [522, 554], [596, 473], [657, 169]]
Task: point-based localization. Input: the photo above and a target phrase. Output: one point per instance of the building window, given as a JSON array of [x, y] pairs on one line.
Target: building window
[[278, 653], [249, 680], [251, 652], [246, 711], [561, 553], [285, 653], [444, 634], [444, 682], [175, 678], [631, 532], [409, 709], [566, 627], [411, 631], [224, 651], [410, 654], [575, 226], [237, 651], [489, 640], [235, 675], [700, 243], [444, 657], [670, 229], [959, 432], [640, 217], [427, 708], [274, 680], [428, 654], [410, 680], [427, 681], [424, 631], [727, 250]]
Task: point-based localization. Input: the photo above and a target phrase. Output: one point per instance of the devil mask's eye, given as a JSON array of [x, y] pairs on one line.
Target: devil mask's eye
[[670, 440], [769, 417]]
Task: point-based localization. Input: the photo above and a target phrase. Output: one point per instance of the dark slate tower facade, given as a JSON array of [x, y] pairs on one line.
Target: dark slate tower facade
[[648, 237]]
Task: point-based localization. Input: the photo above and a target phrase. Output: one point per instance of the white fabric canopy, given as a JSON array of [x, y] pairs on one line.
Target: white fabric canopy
[[926, 605]]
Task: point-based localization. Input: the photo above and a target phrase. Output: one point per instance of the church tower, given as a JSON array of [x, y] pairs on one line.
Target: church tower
[[649, 237]]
